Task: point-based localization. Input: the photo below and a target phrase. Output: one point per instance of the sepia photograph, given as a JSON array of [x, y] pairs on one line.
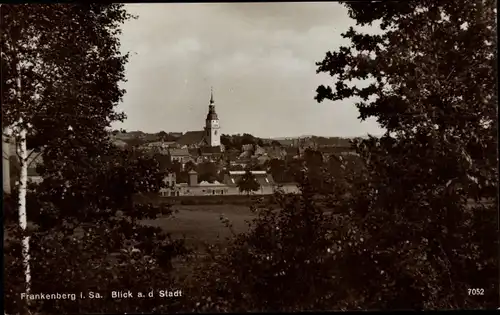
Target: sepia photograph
[[250, 157]]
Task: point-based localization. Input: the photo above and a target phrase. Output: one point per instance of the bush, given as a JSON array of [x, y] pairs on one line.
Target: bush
[[284, 262], [116, 254]]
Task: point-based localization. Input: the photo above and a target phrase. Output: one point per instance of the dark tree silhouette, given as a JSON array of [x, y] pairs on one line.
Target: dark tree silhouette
[[248, 183], [427, 208], [225, 140], [87, 237], [248, 139], [134, 142], [207, 171], [189, 166], [164, 161], [277, 168]]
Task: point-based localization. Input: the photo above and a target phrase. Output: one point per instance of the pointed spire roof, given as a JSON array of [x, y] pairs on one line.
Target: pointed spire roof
[[212, 115]]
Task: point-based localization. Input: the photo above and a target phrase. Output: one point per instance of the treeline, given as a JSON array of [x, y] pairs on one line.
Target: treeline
[[237, 141], [138, 140]]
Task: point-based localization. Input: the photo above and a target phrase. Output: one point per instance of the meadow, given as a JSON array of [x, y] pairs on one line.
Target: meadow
[[203, 222], [197, 220]]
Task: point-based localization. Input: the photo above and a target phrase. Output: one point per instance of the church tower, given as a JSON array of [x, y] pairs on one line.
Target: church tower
[[212, 128]]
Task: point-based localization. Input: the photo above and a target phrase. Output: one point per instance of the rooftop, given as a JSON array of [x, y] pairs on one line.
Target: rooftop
[[191, 137], [215, 183], [234, 177], [243, 172]]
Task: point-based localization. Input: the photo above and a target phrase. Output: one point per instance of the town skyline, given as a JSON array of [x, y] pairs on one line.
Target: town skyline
[[262, 69]]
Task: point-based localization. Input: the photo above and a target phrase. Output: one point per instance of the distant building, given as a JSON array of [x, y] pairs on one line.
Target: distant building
[[229, 186], [179, 155], [160, 144], [210, 136]]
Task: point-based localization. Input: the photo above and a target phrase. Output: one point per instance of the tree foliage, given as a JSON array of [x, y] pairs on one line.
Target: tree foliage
[[238, 140], [432, 87], [164, 160], [87, 233], [207, 171], [284, 262], [57, 66], [248, 183]]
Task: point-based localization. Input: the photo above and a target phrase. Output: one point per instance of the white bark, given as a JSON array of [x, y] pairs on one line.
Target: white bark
[[23, 220], [23, 183]]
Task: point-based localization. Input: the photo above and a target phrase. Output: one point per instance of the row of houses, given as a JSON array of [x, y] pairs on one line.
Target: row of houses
[[229, 186], [249, 153]]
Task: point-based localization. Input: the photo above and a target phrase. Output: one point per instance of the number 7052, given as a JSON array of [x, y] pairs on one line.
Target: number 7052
[[475, 291]]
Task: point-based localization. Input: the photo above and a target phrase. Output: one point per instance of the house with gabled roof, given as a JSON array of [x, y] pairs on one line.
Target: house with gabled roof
[[179, 155]]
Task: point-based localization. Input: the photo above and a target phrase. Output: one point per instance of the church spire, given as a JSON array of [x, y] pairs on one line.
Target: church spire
[[211, 108]]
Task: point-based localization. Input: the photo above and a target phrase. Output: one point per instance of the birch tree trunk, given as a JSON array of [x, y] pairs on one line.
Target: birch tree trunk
[[23, 183], [23, 221]]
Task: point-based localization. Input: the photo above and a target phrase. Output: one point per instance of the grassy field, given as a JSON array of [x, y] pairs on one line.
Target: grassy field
[[202, 222], [199, 224]]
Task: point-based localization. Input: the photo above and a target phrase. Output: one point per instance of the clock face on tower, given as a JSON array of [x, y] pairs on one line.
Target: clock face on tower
[[215, 124]]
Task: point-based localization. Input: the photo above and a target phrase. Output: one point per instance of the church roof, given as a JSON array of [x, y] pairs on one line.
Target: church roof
[[212, 115], [191, 137]]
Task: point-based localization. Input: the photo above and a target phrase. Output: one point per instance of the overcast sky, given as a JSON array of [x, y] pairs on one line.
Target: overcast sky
[[259, 58]]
